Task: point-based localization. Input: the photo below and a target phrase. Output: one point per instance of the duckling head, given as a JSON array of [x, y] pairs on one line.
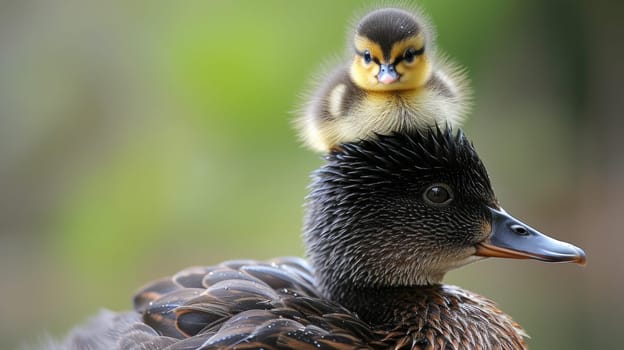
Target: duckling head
[[402, 210], [391, 51]]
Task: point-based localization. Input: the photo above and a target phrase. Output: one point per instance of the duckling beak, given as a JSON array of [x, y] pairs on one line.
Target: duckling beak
[[387, 74], [511, 238]]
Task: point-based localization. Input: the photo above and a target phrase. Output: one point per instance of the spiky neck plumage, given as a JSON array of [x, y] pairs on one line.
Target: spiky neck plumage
[[368, 226]]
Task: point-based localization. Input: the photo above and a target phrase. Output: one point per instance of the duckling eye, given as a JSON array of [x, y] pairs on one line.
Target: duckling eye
[[367, 57], [438, 194], [411, 53]]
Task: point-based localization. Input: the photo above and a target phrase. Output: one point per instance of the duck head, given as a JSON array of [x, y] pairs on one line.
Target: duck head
[[392, 51], [403, 210]]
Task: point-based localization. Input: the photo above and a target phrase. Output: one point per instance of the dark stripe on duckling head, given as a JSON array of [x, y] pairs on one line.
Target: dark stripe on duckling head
[[388, 26]]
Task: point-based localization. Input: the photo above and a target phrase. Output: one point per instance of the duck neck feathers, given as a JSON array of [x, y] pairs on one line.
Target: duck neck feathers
[[437, 317]]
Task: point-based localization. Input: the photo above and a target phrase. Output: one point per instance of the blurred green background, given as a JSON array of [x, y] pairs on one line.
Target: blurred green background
[[139, 137]]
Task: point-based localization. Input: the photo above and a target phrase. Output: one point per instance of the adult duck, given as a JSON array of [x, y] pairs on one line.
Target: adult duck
[[386, 219]]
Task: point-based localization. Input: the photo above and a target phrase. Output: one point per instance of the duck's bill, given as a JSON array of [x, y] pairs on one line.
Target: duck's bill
[[387, 74], [510, 238]]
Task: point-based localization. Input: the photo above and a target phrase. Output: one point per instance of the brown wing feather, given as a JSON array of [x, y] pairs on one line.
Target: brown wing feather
[[247, 304]]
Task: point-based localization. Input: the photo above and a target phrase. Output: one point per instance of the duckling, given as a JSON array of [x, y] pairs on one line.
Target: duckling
[[395, 80], [386, 219]]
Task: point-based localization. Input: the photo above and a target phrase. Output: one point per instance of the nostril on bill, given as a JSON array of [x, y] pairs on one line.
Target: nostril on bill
[[519, 229]]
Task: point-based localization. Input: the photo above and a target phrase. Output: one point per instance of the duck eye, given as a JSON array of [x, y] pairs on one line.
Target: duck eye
[[367, 57], [438, 194], [409, 55]]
